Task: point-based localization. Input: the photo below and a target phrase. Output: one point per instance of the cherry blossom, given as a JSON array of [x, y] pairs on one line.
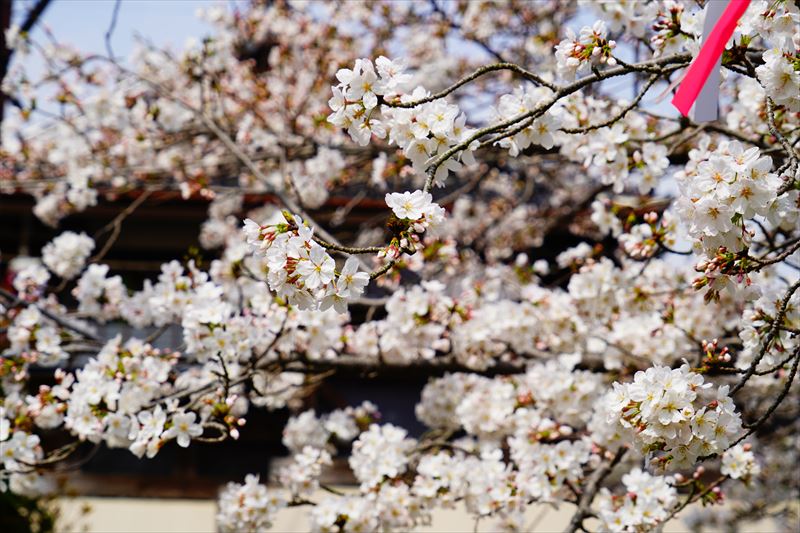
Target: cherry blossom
[[66, 254], [601, 298]]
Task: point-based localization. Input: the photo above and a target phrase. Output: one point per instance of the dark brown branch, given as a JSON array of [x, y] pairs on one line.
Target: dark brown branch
[[116, 225], [466, 79], [522, 121], [752, 428], [773, 331], [31, 19], [111, 27], [619, 115], [593, 485], [793, 247], [55, 318]]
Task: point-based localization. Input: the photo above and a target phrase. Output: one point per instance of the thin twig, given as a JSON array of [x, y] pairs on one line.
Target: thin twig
[[751, 428], [592, 487], [619, 115], [466, 79], [231, 145], [773, 331], [525, 119], [116, 225], [111, 27], [55, 318]]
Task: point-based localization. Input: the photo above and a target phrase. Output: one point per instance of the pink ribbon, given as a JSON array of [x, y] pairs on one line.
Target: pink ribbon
[[706, 60]]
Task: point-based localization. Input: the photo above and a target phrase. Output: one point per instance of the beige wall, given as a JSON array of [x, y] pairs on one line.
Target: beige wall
[[109, 515]]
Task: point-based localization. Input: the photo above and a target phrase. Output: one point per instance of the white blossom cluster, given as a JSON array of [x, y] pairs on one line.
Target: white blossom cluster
[[758, 316], [36, 338], [544, 469], [624, 312], [642, 240], [99, 295], [111, 399], [670, 416], [412, 330], [380, 453], [301, 476], [779, 23], [780, 75], [222, 224], [423, 131], [633, 18], [414, 206], [617, 154], [740, 462], [541, 131], [307, 430], [357, 96], [419, 211], [110, 396], [313, 177], [675, 28], [484, 481], [722, 191], [534, 327], [18, 450], [642, 507], [389, 508], [247, 507], [30, 279], [300, 270], [590, 47], [544, 399], [66, 255], [276, 391]]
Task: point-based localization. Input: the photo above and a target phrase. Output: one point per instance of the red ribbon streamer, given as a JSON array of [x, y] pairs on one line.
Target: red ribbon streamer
[[712, 49]]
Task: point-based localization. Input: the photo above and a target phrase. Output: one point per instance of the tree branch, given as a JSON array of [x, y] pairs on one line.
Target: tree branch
[[592, 487], [55, 318]]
